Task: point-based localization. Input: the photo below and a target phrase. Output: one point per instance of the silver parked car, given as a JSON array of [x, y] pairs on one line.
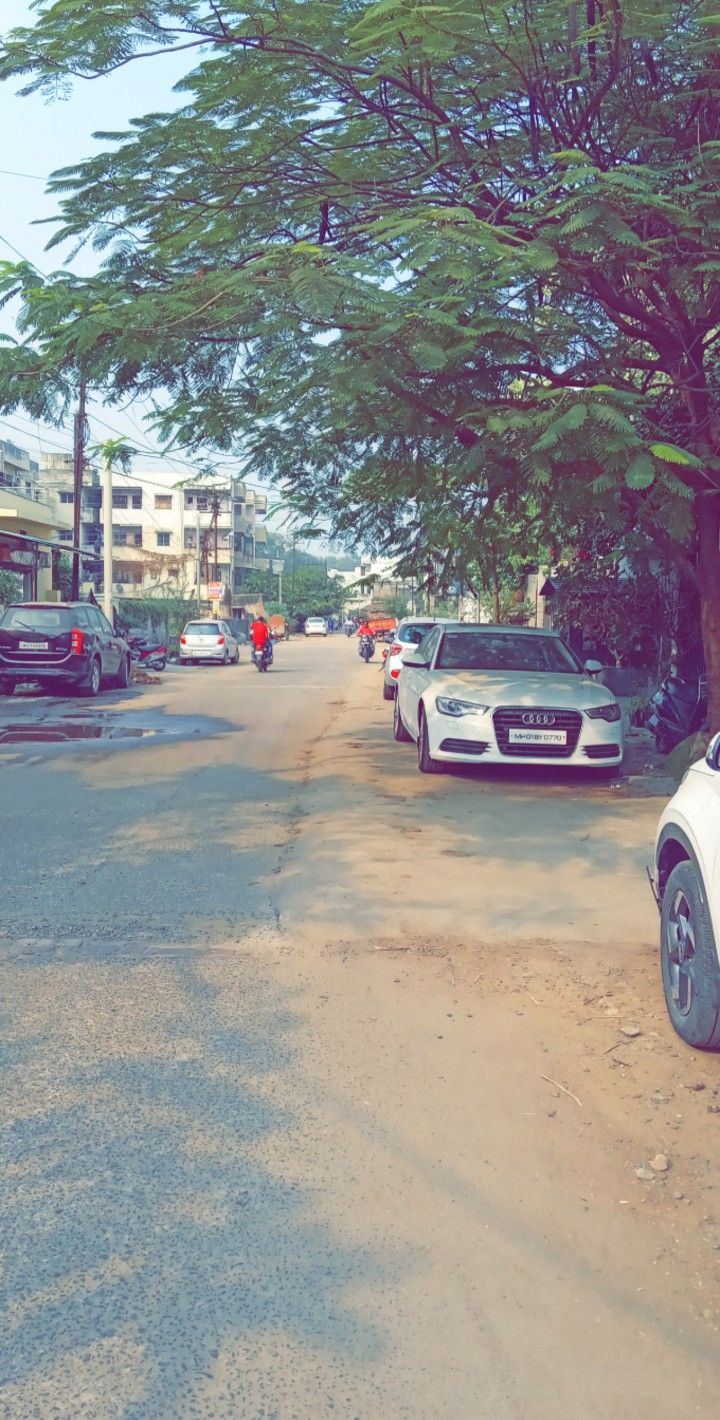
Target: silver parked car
[[208, 641], [410, 632]]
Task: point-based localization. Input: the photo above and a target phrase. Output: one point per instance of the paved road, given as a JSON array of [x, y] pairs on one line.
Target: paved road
[[287, 1034]]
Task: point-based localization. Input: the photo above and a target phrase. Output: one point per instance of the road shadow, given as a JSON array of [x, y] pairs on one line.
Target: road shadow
[[154, 1232]]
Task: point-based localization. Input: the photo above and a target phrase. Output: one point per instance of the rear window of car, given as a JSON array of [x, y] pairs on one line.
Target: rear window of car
[[315, 621], [48, 619], [202, 628], [413, 633]]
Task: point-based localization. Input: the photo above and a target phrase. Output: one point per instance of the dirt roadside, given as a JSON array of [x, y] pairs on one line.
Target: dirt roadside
[[519, 907]]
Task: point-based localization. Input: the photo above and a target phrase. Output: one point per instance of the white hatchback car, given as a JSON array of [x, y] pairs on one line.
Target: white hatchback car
[[208, 641], [410, 632], [504, 695], [687, 889], [316, 626]]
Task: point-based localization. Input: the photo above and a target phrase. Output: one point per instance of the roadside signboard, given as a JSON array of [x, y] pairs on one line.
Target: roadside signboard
[[215, 591]]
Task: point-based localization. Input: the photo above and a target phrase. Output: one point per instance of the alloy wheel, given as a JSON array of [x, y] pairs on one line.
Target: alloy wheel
[[681, 953]]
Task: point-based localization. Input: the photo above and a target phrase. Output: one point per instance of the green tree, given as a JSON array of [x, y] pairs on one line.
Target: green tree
[[10, 589], [425, 262]]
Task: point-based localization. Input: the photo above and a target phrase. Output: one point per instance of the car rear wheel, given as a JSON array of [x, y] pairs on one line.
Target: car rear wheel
[[91, 686], [388, 691], [426, 763], [690, 972], [399, 731]]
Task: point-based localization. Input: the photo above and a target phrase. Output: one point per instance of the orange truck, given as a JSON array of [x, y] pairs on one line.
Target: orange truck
[[382, 625]]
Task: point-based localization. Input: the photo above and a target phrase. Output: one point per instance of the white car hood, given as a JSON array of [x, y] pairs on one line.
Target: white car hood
[[522, 688]]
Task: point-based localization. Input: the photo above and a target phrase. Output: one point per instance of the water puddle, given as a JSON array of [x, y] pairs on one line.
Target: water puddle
[[57, 732]]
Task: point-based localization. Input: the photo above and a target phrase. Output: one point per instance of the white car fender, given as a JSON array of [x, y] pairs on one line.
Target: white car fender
[[692, 820]]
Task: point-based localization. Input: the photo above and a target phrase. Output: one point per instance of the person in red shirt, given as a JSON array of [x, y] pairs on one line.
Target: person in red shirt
[[363, 628], [260, 636]]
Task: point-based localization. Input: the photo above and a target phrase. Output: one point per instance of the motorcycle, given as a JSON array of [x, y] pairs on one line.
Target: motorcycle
[[349, 628], [366, 648], [152, 655], [263, 657], [677, 710]]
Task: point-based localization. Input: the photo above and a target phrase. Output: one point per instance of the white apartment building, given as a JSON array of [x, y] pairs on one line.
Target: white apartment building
[[155, 536]]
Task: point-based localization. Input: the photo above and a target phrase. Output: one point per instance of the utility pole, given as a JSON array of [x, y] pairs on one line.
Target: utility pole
[[198, 569], [107, 539], [214, 526], [79, 435]]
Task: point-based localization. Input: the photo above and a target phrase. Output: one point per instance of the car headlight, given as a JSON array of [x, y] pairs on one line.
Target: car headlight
[[605, 712], [447, 706]]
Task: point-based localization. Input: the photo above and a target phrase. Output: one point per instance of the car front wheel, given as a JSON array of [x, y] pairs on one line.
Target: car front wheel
[[426, 763], [690, 972], [122, 679], [388, 691]]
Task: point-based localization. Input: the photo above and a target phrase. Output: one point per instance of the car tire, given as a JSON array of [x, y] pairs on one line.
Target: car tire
[[688, 957], [236, 658], [7, 687], [388, 692], [122, 679], [399, 731], [426, 763], [91, 686]]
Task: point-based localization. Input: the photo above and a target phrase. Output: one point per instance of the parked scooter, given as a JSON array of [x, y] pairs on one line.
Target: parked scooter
[[366, 648], [152, 655], [677, 709], [263, 657]]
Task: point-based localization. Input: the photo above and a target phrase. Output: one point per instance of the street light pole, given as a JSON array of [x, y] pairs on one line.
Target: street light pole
[[198, 569], [107, 538]]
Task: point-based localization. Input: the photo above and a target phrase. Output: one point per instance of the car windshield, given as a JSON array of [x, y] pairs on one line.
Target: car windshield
[[39, 618], [412, 635], [498, 651], [202, 628]]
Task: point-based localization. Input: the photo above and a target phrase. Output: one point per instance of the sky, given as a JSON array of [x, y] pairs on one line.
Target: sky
[[40, 136]]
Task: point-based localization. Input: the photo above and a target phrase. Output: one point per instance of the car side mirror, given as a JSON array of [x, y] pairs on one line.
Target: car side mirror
[[594, 667], [415, 665], [712, 758]]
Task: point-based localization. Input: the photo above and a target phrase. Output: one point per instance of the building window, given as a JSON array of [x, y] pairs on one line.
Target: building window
[[119, 500], [67, 497], [163, 539], [163, 501], [66, 536], [119, 537], [189, 538], [137, 500]]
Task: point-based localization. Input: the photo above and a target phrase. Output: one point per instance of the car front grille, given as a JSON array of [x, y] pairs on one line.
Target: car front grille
[[506, 720], [464, 746]]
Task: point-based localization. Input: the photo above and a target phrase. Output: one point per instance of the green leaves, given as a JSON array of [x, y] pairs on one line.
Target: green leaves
[[670, 453], [640, 473]]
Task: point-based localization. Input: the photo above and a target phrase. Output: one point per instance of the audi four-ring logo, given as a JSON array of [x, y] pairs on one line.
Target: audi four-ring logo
[[538, 719]]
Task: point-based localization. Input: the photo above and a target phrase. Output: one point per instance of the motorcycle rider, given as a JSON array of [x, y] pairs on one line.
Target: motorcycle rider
[[364, 628], [260, 637]]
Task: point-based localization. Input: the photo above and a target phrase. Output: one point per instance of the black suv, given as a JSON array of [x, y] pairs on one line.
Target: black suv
[[60, 644]]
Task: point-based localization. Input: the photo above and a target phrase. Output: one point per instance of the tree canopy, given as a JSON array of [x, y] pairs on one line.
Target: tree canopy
[[429, 265]]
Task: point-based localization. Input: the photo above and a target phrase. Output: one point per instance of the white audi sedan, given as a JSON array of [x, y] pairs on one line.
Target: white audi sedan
[[504, 695]]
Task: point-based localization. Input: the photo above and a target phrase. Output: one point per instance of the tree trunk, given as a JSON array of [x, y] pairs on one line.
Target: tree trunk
[[707, 514]]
